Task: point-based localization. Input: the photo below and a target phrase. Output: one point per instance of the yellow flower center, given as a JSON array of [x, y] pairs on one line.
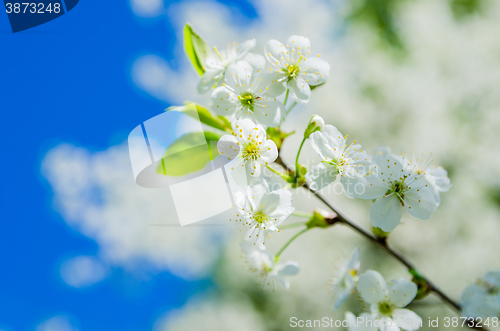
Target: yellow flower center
[[250, 151]]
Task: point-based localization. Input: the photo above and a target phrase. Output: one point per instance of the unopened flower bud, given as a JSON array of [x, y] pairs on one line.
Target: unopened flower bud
[[315, 124], [321, 219]]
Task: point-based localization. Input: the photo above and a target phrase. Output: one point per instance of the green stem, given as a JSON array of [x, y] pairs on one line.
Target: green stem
[[302, 214], [277, 173], [286, 96], [288, 243], [293, 105], [297, 158]]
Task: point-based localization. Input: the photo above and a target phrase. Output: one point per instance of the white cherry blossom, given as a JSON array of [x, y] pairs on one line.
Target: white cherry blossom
[[482, 299], [216, 64], [344, 279], [262, 210], [248, 93], [249, 146], [396, 187], [386, 301], [338, 158], [294, 64], [437, 176], [272, 272], [365, 322]]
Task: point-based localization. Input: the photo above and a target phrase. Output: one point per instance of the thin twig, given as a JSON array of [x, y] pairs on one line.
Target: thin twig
[[382, 242]]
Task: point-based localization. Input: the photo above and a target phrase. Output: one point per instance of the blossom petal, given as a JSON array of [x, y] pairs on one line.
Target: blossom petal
[[493, 278], [244, 128], [386, 213], [256, 193], [389, 325], [299, 90], [333, 136], [211, 78], [297, 46], [274, 51], [373, 187], [401, 292], [341, 297], [239, 172], [322, 143], [268, 152], [283, 209], [420, 204], [253, 169], [321, 175], [354, 262], [238, 76], [314, 70], [271, 115], [269, 84], [372, 286], [256, 60], [244, 47], [224, 101], [440, 178], [406, 319], [228, 146], [289, 268]]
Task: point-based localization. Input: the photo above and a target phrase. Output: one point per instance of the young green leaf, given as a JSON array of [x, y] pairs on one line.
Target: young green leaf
[[204, 116], [189, 153], [196, 49]]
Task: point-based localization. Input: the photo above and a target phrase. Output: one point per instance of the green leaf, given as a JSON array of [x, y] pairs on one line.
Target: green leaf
[[316, 86], [204, 116], [196, 49], [189, 153]]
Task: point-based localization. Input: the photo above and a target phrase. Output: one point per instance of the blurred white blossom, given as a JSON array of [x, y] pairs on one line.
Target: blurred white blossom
[[386, 301], [345, 278]]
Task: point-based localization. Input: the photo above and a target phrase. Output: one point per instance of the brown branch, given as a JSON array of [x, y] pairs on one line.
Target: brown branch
[[382, 242]]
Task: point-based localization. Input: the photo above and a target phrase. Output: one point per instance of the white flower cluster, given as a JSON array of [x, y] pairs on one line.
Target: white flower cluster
[[395, 182], [482, 299], [249, 93], [385, 302]]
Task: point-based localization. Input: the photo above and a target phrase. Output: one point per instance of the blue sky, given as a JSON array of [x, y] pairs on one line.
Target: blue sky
[[69, 81]]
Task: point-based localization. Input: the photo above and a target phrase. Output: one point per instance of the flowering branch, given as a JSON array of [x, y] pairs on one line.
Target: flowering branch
[[247, 95], [382, 242]]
